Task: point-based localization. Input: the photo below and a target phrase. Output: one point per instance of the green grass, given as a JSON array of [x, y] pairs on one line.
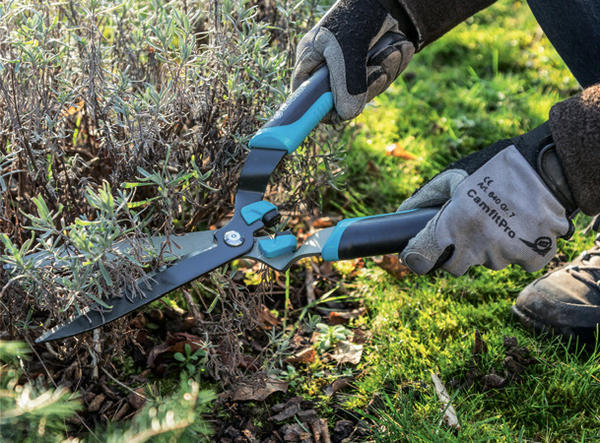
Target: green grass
[[494, 77]]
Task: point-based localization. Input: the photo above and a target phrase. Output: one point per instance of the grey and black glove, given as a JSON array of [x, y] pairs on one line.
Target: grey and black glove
[[506, 204], [342, 39]]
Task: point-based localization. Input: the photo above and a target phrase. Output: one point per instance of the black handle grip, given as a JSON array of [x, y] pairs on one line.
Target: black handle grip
[[384, 234]]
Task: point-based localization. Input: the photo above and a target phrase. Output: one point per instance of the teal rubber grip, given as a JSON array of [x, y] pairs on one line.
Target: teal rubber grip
[[280, 245], [256, 211], [298, 116], [289, 137]]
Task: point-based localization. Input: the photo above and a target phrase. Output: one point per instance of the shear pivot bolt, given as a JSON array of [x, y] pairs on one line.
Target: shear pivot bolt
[[233, 238]]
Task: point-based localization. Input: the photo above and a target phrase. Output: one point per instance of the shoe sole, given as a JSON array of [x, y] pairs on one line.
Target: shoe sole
[[532, 324], [539, 328]]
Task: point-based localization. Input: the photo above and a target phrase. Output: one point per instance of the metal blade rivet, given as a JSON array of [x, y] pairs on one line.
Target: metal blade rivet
[[233, 238]]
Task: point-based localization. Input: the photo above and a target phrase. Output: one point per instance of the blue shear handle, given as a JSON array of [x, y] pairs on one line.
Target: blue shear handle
[[298, 116], [375, 235]]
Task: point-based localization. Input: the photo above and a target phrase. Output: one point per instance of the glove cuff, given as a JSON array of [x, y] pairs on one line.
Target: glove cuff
[[575, 125], [538, 148]]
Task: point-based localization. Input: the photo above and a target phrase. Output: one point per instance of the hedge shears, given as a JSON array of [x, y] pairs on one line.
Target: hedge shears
[[201, 252]]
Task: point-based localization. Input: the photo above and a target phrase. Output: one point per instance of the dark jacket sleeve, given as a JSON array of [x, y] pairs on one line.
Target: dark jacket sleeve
[[575, 125], [433, 18]]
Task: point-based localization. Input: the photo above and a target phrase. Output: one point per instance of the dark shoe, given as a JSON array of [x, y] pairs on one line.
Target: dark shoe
[[565, 301]]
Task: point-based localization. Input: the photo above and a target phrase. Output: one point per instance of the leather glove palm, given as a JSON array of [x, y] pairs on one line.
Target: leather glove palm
[[342, 39], [497, 209]]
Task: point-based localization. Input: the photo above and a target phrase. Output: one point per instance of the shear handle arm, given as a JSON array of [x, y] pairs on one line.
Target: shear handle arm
[[298, 116], [302, 111], [375, 235]]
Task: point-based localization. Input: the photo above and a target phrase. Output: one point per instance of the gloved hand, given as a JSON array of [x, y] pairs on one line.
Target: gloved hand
[[506, 204], [342, 39]]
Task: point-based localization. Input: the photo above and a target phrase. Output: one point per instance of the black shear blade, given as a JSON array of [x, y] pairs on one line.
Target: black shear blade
[[151, 288]]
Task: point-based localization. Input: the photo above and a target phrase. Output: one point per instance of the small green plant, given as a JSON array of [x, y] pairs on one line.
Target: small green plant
[[126, 120], [330, 335], [311, 321], [82, 259], [189, 360], [291, 375]]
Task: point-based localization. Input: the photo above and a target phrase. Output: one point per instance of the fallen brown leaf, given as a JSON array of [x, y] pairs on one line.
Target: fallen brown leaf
[[259, 391], [281, 406], [493, 381], [121, 412], [392, 265], [343, 429], [175, 343], [295, 432], [307, 415], [346, 352], [397, 150], [360, 337], [479, 346], [155, 352], [137, 399], [306, 355], [514, 368], [96, 403], [266, 319], [338, 385], [288, 412]]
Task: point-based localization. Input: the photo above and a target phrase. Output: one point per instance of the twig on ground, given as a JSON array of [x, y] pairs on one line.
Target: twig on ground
[[52, 351], [10, 282], [325, 437], [96, 351], [449, 416], [94, 363], [123, 385], [121, 410], [310, 288], [192, 306]]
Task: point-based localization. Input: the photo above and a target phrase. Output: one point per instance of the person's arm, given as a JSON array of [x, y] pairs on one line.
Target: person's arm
[[343, 37], [433, 18], [508, 203], [575, 125]]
